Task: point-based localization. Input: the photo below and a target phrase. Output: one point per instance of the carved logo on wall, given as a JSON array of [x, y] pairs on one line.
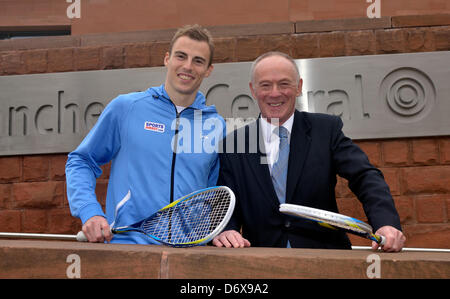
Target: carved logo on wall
[[409, 94]]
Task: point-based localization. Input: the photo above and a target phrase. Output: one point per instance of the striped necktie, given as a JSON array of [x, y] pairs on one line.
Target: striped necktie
[[280, 167]]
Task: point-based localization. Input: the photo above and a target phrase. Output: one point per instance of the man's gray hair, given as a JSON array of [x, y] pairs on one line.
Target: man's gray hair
[[273, 53]]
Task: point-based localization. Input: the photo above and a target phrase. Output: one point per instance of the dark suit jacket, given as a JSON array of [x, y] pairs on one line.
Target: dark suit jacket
[[318, 152]]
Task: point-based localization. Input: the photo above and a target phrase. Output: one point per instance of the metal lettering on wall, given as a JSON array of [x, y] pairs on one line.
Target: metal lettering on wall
[[381, 96]]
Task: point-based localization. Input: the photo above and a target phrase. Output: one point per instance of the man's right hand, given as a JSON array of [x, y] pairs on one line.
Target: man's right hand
[[96, 229], [229, 239]]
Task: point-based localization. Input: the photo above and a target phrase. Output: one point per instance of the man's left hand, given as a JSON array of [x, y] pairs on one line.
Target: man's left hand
[[395, 240]]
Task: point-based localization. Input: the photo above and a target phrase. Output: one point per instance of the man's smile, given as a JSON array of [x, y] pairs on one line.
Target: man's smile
[[275, 104], [185, 76]]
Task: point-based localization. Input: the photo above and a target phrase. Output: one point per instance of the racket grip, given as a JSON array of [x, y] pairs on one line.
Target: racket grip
[[382, 240], [81, 237]]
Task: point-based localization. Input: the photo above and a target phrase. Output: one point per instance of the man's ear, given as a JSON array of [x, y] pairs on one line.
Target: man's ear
[[209, 71], [251, 89], [166, 58], [299, 87]]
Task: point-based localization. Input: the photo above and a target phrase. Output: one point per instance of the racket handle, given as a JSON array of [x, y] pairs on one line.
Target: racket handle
[[382, 240], [81, 237]]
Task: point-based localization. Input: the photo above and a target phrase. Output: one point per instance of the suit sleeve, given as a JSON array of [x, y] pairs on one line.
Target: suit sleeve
[[215, 167], [366, 181], [226, 178]]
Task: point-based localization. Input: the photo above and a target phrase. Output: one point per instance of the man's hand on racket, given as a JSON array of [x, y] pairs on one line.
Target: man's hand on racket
[[96, 229], [395, 240], [229, 239]]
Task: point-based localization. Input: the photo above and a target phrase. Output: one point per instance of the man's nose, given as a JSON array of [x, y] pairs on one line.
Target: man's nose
[[275, 91], [187, 64]]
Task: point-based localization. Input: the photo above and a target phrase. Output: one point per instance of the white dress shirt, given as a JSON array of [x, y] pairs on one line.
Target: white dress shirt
[[272, 140]]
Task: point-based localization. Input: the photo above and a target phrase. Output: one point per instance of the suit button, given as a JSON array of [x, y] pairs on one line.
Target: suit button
[[287, 224]]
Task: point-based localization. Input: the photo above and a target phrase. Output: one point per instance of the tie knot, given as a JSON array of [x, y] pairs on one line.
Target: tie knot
[[282, 132]]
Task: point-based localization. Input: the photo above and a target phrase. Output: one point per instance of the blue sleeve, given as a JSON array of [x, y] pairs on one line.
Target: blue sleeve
[[83, 164]]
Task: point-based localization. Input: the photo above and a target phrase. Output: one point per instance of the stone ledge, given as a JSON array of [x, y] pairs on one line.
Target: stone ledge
[[342, 24], [48, 259], [421, 20], [163, 35]]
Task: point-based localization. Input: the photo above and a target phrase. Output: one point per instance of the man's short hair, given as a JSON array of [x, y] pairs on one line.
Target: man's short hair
[[273, 53], [195, 32]]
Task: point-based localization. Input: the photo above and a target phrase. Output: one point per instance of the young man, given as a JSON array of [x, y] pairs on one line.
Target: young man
[[317, 151], [146, 136]]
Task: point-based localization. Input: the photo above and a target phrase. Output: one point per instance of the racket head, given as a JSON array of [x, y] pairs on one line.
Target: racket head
[[327, 218], [192, 220]]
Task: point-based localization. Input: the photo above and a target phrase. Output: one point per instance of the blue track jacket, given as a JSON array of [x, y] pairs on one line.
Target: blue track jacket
[[150, 162]]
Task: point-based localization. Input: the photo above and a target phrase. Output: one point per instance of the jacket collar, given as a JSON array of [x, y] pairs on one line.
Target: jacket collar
[[299, 149], [199, 102]]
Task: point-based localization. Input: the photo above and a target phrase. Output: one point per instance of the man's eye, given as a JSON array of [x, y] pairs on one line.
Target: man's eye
[[199, 61]]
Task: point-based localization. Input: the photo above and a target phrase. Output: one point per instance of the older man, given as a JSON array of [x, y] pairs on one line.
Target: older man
[[304, 153]]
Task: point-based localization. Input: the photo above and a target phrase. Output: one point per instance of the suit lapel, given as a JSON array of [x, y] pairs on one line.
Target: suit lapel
[[298, 151], [258, 163]]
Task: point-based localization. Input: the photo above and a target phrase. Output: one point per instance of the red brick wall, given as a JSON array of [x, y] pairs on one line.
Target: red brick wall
[[417, 171], [33, 194], [32, 188]]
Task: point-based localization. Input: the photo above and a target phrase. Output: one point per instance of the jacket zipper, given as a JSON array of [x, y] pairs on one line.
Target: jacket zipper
[[174, 155]]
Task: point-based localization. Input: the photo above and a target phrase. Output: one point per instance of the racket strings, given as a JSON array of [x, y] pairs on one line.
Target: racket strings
[[190, 220], [200, 220]]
